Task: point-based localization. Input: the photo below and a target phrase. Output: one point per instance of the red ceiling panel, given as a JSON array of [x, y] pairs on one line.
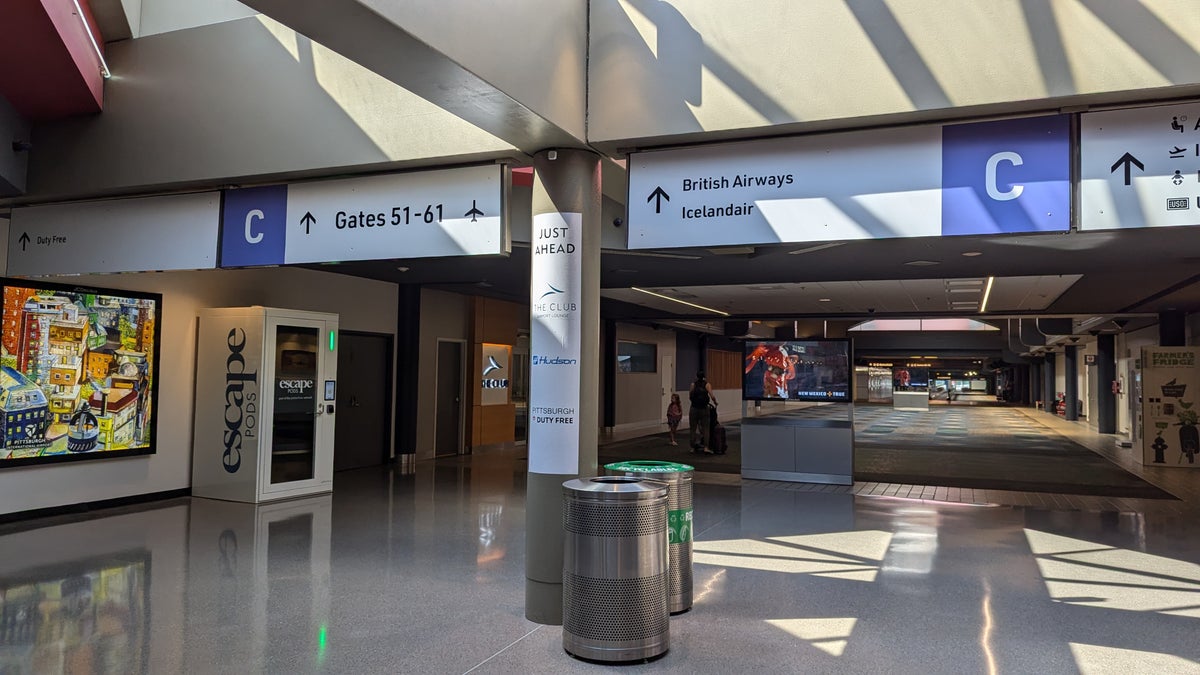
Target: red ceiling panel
[[48, 67]]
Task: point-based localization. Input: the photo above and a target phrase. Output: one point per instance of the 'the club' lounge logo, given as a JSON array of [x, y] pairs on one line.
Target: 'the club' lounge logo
[[554, 307], [493, 383]]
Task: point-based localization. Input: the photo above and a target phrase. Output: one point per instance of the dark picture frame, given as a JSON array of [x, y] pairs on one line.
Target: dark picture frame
[[96, 386]]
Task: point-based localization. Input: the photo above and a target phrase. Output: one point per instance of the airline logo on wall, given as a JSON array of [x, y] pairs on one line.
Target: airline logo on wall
[[494, 381]]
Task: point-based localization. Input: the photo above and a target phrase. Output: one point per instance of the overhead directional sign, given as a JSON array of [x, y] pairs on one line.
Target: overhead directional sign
[[449, 212], [1140, 167], [170, 232], [979, 178]]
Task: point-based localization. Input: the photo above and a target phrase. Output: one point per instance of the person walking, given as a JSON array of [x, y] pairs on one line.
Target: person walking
[[674, 415], [703, 404]]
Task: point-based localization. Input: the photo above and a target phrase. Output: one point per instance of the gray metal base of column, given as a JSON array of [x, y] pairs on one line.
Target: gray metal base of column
[[543, 602], [544, 547]]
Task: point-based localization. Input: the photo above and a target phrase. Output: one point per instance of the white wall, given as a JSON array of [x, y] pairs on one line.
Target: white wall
[[164, 16], [362, 304], [240, 99], [642, 398], [443, 315], [1129, 350]]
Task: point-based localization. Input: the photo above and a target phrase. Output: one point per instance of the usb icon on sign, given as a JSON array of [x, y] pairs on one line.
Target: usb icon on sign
[[1179, 203]]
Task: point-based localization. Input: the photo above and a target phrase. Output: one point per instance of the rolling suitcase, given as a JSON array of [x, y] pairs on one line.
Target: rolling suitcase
[[716, 436]]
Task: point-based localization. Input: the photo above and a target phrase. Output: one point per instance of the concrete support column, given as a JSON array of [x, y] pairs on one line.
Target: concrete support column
[[408, 353], [1071, 388], [1048, 384], [1035, 382], [1106, 372], [608, 378], [564, 376], [1171, 331]]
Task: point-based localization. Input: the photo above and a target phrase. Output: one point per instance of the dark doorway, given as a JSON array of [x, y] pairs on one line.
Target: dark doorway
[[364, 401], [448, 432]]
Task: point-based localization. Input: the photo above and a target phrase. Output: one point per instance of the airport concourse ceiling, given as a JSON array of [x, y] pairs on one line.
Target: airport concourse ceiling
[[1075, 274]]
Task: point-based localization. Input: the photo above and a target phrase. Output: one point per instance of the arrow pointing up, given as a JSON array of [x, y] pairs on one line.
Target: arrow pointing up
[[24, 240], [658, 195], [307, 220], [1129, 161]]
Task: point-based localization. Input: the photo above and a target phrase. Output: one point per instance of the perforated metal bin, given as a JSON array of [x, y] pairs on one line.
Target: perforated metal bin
[[678, 478], [615, 568]]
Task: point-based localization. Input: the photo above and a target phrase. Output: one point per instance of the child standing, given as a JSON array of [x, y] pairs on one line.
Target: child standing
[[674, 415]]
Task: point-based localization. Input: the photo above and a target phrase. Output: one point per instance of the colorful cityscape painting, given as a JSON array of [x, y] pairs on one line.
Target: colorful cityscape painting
[[77, 372]]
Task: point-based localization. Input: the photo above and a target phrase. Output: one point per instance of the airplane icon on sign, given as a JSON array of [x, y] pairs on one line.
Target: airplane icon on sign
[[473, 212]]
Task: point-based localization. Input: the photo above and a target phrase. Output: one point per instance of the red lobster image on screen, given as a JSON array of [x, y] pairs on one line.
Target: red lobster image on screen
[[780, 368]]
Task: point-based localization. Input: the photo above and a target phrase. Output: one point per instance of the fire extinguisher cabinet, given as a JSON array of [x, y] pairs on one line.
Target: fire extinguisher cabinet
[[266, 382]]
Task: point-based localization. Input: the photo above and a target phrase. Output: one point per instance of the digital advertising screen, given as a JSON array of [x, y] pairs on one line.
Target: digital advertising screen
[[915, 378], [78, 372], [796, 370]]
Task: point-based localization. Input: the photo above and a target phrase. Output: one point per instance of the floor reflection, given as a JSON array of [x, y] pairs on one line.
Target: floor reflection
[[264, 569], [84, 617]]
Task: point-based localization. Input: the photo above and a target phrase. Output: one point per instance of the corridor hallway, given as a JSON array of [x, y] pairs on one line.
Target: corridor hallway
[[424, 574], [996, 448]]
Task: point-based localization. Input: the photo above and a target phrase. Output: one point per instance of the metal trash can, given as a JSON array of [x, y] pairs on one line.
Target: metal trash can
[[678, 478], [615, 568]]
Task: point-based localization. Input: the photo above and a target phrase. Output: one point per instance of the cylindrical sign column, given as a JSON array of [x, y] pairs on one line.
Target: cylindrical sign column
[[564, 340]]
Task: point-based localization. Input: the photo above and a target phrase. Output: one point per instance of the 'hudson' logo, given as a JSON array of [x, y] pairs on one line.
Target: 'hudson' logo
[[240, 405], [553, 361]]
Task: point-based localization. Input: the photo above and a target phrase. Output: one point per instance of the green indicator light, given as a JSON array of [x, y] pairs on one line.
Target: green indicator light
[[332, 340], [322, 642]]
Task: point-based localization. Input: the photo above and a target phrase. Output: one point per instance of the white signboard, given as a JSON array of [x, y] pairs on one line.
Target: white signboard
[[449, 212], [554, 298], [1140, 167], [1170, 390], [808, 188], [171, 232], [999, 176]]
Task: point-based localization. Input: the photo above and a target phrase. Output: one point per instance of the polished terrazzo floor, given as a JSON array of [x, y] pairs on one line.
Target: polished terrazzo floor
[[424, 574]]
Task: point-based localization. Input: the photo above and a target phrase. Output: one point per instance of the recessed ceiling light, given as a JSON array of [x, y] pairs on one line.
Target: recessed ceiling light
[[987, 293], [650, 254], [682, 302], [962, 290], [824, 299], [401, 269], [921, 263], [972, 254], [818, 247], [765, 288]]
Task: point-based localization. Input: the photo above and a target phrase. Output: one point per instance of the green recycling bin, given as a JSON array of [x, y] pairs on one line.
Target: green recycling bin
[[678, 478]]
